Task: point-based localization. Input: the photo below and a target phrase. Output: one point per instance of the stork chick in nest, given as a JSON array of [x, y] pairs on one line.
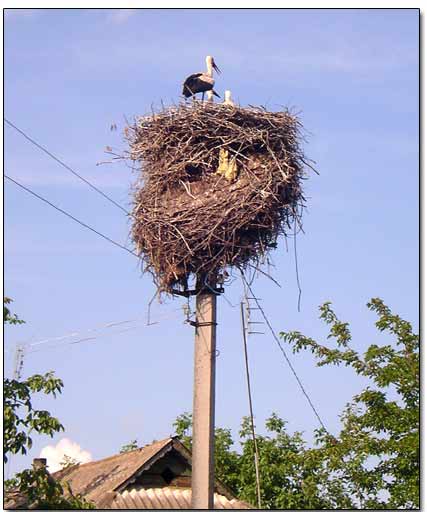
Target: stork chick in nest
[[201, 82], [227, 99], [227, 166]]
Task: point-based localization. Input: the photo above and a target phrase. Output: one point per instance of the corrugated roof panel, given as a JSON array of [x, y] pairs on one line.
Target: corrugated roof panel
[[157, 498], [171, 498], [135, 500], [119, 502], [220, 501], [186, 497]]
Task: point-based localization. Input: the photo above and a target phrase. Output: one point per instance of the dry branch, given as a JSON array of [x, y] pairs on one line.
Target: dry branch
[[188, 220]]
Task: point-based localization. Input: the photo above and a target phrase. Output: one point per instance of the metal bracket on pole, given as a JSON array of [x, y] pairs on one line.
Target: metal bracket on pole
[[184, 293], [200, 324], [199, 289]]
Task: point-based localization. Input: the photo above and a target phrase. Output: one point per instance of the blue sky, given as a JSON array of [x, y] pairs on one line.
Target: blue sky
[[70, 74]]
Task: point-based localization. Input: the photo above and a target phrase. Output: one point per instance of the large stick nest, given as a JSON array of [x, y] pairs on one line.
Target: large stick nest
[[189, 219]]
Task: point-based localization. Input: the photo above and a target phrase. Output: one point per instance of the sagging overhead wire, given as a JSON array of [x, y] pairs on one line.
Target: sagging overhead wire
[[296, 266], [69, 339], [42, 148], [82, 340], [71, 216], [75, 334], [284, 353]]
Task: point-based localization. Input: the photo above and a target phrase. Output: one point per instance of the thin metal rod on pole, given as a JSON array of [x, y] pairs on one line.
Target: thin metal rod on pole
[[248, 382], [19, 361], [202, 479], [17, 374]]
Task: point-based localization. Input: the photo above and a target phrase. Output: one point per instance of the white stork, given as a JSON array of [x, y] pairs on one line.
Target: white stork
[[227, 99], [201, 82]]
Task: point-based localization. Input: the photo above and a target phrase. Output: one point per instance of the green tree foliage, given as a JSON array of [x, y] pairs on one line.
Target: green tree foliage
[[19, 416], [226, 460], [372, 463], [377, 451], [68, 462], [182, 426], [46, 493], [133, 445], [20, 419], [8, 317]]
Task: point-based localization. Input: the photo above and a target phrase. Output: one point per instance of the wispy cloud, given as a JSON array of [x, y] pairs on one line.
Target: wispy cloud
[[344, 60], [65, 447]]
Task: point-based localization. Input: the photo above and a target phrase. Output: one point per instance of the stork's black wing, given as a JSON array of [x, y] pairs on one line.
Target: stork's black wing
[[190, 85]]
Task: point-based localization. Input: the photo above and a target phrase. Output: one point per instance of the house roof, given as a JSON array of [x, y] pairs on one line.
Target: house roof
[[170, 498], [14, 499], [112, 482], [94, 479]]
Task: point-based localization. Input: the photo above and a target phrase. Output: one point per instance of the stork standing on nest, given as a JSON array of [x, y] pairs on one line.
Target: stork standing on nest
[[201, 82], [227, 99]]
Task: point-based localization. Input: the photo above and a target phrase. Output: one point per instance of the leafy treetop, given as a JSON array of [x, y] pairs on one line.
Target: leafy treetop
[[8, 317], [373, 462], [20, 419], [132, 445]]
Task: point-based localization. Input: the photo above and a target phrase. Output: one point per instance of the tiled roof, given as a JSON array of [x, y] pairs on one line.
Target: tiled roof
[[94, 479], [15, 500], [112, 482], [171, 498]]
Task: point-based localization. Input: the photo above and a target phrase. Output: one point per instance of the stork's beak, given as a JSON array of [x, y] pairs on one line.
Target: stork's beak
[[216, 68]]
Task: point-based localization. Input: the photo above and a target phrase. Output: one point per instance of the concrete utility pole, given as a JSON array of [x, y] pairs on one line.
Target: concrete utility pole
[[202, 480]]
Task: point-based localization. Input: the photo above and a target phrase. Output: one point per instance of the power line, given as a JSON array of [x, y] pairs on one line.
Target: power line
[[91, 338], [42, 148], [82, 340], [74, 334], [284, 354], [296, 265], [93, 330], [71, 216]]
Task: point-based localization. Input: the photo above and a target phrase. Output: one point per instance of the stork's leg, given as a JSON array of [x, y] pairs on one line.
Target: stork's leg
[[203, 96]]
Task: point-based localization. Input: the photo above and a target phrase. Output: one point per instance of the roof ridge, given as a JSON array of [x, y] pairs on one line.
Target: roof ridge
[[117, 455]]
